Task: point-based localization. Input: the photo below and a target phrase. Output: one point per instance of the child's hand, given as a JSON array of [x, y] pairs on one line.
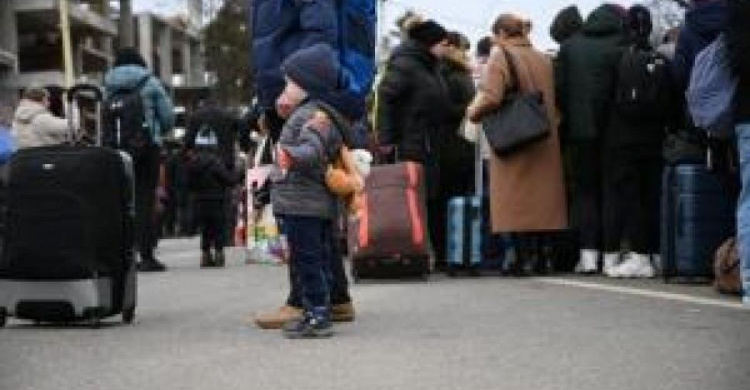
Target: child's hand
[[284, 159]]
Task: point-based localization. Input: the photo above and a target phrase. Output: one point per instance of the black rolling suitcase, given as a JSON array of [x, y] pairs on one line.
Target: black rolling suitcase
[[68, 252]]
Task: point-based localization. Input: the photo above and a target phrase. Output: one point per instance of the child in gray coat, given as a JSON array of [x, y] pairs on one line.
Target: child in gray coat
[[305, 206]]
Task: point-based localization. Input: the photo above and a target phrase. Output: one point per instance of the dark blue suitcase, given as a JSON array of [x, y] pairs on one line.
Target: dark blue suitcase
[[698, 214]]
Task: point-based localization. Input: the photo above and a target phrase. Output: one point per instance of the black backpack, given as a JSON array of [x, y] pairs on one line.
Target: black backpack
[[643, 87], [125, 126]]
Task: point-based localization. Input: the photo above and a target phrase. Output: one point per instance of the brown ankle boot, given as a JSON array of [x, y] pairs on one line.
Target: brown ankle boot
[[276, 319], [343, 312]]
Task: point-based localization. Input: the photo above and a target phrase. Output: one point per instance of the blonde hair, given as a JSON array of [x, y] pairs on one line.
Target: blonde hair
[[512, 25]]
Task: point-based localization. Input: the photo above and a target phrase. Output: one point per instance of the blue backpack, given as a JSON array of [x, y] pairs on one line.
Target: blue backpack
[[711, 92], [357, 38]]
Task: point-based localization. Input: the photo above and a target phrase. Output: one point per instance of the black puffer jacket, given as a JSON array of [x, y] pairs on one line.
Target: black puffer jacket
[[456, 153], [208, 177], [566, 24], [412, 103], [738, 35], [586, 72]]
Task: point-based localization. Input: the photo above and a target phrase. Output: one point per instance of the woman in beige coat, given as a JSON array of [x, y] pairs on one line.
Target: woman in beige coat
[[527, 194]]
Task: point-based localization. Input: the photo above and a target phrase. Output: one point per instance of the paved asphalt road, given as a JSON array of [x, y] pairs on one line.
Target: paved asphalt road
[[490, 333]]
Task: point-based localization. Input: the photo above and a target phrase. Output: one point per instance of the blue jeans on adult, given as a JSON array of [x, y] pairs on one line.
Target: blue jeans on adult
[[743, 207], [310, 253]]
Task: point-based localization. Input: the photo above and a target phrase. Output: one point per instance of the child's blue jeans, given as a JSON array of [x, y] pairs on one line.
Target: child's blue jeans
[[310, 254]]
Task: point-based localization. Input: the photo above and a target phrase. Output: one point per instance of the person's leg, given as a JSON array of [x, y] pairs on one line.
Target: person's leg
[[617, 199], [339, 281], [743, 208], [436, 218], [220, 232], [292, 309], [587, 203], [644, 215], [309, 243], [637, 262], [146, 177], [204, 227]]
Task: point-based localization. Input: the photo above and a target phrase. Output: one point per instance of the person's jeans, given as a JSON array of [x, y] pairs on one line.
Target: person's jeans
[[743, 207], [310, 251], [339, 287]]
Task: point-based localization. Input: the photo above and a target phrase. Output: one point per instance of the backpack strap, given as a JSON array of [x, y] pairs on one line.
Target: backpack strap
[[141, 83]]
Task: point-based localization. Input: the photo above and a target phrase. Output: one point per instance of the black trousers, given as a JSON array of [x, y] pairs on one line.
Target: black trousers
[[146, 171], [211, 215], [586, 213], [339, 288], [632, 198], [540, 252]]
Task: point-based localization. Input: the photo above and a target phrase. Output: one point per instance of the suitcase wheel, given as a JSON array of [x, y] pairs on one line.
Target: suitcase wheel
[[3, 317], [128, 315]]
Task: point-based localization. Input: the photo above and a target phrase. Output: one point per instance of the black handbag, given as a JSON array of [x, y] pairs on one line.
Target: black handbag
[[520, 121]]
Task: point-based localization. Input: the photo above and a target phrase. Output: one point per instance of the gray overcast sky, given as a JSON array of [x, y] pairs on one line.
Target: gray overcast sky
[[472, 17]]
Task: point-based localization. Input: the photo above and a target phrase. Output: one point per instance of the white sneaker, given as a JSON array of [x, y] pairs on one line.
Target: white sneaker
[[587, 263], [635, 266], [611, 261]]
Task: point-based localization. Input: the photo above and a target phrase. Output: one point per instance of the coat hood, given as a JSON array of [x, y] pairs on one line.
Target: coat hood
[[416, 51], [457, 60], [568, 22], [125, 77], [27, 110], [604, 21], [707, 18]]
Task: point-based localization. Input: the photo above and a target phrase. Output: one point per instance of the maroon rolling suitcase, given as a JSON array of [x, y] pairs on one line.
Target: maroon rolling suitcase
[[389, 238]]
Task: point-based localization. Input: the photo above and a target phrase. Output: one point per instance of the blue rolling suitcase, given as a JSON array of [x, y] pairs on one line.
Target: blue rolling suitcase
[[469, 246], [464, 246], [698, 214]]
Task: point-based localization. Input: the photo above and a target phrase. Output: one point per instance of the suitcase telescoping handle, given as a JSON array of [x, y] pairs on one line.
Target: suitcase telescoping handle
[[90, 92]]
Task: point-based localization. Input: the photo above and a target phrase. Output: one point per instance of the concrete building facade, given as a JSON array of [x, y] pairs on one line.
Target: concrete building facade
[[31, 49]]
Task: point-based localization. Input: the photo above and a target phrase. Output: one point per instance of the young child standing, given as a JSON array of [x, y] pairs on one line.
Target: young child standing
[[300, 197], [209, 180]]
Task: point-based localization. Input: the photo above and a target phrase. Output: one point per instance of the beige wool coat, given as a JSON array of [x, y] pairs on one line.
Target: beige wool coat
[[526, 189]]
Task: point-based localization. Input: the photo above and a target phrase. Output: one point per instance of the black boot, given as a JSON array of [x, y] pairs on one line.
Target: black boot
[[151, 264], [206, 260], [220, 259]]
